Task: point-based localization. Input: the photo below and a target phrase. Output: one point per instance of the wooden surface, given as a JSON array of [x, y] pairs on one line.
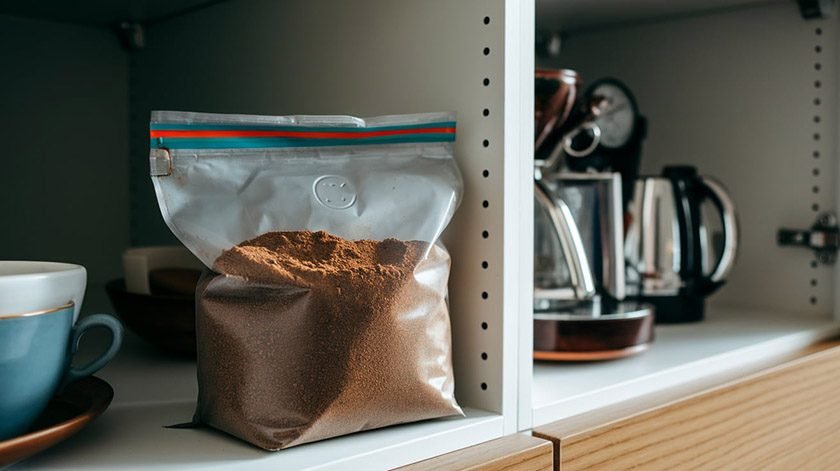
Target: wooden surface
[[783, 418], [512, 453]]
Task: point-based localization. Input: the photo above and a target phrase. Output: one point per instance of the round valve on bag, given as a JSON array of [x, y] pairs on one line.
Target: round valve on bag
[[334, 192]]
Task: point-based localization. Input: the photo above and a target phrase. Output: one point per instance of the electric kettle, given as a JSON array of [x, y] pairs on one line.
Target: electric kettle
[[667, 244]]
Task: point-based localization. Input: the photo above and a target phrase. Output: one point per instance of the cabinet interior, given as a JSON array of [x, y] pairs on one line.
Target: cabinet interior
[[732, 93], [747, 93], [79, 74], [727, 86]]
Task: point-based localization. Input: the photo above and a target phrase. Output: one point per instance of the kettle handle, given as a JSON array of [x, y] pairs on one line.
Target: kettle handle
[[570, 241], [715, 192]]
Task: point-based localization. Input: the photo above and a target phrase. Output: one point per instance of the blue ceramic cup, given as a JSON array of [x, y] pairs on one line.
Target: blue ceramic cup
[[36, 349]]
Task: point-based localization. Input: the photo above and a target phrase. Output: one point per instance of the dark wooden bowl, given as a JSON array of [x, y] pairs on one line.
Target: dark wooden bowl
[[165, 321]]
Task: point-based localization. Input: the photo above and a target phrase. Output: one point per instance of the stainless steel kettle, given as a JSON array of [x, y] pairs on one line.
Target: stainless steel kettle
[[667, 243]]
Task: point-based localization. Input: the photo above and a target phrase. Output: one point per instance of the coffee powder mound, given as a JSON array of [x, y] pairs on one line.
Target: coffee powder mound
[[304, 336]]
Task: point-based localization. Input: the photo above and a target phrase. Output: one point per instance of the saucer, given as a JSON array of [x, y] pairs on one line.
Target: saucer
[[66, 414]]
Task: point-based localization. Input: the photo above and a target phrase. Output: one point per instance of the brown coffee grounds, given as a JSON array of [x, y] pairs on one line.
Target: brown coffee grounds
[[304, 336]]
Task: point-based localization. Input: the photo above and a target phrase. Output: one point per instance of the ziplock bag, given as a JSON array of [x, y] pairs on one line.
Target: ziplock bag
[[324, 310]]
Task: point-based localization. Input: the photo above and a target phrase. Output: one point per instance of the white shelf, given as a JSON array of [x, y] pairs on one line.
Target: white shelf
[[727, 344], [153, 391], [133, 437]]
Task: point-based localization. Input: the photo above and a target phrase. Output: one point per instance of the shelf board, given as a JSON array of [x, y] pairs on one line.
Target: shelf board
[[133, 437], [153, 391], [728, 344], [571, 16]]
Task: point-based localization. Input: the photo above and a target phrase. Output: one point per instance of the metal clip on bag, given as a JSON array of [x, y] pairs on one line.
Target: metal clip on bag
[[324, 312]]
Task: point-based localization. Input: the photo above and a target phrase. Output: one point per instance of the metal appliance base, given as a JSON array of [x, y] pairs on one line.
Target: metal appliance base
[[600, 355], [577, 335]]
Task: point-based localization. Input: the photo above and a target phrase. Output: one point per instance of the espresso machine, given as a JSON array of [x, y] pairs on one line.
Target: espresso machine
[[579, 288]]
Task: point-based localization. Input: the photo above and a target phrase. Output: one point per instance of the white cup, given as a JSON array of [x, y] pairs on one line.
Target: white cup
[[34, 286]]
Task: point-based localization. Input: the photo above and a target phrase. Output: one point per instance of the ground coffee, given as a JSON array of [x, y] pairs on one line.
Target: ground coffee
[[304, 336]]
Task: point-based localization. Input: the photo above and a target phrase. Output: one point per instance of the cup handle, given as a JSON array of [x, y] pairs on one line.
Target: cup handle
[[89, 322]]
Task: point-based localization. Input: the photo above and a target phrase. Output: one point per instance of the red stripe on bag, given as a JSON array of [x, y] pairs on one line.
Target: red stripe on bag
[[297, 134]]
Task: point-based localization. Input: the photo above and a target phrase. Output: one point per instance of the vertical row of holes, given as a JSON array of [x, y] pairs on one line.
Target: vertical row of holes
[[816, 153], [485, 204]]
